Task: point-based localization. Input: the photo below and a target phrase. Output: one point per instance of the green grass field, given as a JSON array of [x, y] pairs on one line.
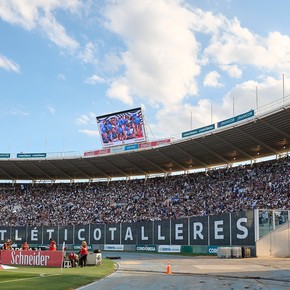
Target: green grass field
[[36, 278]]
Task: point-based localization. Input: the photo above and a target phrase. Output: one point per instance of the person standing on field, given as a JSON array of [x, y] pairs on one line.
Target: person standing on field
[[83, 254], [7, 245], [25, 246], [52, 245]]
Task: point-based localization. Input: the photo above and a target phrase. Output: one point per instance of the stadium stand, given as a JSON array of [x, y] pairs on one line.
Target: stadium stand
[[262, 185]]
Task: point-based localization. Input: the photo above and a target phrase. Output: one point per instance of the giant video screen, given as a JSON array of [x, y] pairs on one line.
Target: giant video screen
[[122, 128]]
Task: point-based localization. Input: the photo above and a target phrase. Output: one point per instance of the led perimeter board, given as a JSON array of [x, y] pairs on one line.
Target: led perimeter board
[[122, 128]]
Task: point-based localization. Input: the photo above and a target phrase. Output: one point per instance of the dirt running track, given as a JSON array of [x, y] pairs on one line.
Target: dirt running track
[[148, 271]]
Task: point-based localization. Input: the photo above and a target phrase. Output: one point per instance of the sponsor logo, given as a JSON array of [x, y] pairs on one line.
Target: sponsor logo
[[146, 248], [169, 249], [78, 247], [212, 250], [32, 258], [114, 247]]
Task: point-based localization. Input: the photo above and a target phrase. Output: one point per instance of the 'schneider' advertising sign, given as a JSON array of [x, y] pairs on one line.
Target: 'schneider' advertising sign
[[32, 258]]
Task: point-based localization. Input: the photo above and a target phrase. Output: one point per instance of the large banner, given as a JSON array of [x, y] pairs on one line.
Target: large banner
[[234, 229], [32, 258]]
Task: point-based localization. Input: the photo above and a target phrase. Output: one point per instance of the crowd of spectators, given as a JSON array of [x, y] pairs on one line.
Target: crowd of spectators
[[259, 185]]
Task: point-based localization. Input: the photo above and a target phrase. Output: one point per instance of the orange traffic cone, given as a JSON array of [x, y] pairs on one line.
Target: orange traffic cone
[[168, 269]]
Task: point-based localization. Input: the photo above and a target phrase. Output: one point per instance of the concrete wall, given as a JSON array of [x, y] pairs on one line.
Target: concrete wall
[[276, 243]]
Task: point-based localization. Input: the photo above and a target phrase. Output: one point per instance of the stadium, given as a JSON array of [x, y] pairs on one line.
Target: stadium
[[144, 145], [204, 193]]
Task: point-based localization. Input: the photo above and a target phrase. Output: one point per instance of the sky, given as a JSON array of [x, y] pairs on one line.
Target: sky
[[185, 63]]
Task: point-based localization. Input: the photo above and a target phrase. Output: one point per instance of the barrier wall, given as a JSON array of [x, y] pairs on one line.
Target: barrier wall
[[275, 243], [232, 229]]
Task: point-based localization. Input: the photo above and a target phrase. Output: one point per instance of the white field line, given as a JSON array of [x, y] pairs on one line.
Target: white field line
[[30, 278]]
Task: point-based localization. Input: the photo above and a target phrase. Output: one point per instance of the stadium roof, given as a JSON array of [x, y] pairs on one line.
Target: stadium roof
[[261, 136]]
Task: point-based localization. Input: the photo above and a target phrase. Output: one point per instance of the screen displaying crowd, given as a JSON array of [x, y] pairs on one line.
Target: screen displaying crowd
[[260, 185], [122, 128]]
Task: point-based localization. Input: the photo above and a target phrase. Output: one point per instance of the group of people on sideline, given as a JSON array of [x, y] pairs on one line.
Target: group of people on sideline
[[8, 245], [76, 259]]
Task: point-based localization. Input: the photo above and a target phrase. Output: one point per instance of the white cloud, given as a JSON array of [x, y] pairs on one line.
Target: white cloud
[[278, 51], [92, 133], [9, 64], [119, 90], [83, 120], [19, 12], [207, 22], [233, 45], [112, 63], [61, 77], [94, 79], [232, 70], [35, 14], [88, 55], [161, 59], [256, 95], [51, 110], [211, 80], [17, 112], [87, 119], [172, 121], [56, 32]]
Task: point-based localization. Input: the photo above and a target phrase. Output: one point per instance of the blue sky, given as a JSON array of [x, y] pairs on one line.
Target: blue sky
[[64, 62]]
